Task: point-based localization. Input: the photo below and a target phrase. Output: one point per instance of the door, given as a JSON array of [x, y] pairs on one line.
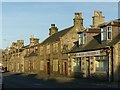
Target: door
[[88, 67], [48, 68], [65, 68]]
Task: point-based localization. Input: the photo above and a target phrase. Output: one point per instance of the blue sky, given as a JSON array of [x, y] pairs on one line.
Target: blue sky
[[23, 19]]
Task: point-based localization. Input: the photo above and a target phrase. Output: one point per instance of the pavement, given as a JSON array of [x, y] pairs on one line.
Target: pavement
[[25, 80]]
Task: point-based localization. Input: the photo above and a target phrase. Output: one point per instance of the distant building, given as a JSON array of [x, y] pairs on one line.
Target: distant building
[[31, 58]]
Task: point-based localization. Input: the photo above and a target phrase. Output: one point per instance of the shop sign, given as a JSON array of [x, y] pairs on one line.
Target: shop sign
[[85, 54]]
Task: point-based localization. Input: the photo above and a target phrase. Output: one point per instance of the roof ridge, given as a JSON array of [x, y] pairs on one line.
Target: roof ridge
[[59, 32]]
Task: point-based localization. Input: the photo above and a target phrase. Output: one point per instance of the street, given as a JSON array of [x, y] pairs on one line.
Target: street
[[11, 80]]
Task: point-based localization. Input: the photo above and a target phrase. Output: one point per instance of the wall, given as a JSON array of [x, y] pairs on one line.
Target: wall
[[116, 61]]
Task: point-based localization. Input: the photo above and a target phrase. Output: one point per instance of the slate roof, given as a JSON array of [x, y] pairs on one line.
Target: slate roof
[[31, 54], [91, 30], [110, 22], [56, 36], [94, 44]]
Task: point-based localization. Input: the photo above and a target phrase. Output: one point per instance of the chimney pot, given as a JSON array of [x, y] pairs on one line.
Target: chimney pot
[[52, 25]]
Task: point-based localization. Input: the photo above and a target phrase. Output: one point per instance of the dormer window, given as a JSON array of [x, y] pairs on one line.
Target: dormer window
[[109, 32], [103, 33], [82, 38]]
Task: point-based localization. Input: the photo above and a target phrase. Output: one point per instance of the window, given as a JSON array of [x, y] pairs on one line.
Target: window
[[110, 32], [41, 65], [55, 47], [82, 38], [103, 33], [55, 65], [77, 65], [101, 64], [48, 49], [41, 50]]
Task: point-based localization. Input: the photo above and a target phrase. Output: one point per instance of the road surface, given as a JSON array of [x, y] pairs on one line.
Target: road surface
[[11, 80]]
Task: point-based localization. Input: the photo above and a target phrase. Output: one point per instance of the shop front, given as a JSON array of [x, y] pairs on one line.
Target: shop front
[[89, 64]]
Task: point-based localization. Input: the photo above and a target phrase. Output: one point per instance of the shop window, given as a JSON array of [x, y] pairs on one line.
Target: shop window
[[101, 64], [77, 66]]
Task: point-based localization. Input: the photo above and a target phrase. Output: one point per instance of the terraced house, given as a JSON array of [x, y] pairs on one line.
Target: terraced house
[[31, 56], [96, 54], [73, 51], [15, 59], [53, 50], [50, 55]]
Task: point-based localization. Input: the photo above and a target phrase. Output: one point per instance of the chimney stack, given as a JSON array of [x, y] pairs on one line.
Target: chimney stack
[[78, 20], [33, 40], [20, 43], [53, 29], [97, 19]]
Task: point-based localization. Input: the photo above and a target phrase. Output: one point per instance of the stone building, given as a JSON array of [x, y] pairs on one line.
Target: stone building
[[53, 50], [73, 51], [14, 61], [98, 19], [97, 52], [5, 58], [15, 57], [31, 58]]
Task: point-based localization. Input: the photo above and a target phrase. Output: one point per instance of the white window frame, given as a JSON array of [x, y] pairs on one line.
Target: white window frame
[[80, 38], [103, 31], [101, 34], [108, 32], [84, 38]]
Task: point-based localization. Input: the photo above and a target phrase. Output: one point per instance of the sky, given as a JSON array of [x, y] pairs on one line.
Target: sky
[[20, 20], [60, 0]]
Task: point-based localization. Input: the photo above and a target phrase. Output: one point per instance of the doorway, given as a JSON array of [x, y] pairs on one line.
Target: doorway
[[48, 68], [87, 67], [65, 68]]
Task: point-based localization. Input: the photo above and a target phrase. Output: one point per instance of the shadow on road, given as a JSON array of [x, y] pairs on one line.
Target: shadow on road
[[21, 80]]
